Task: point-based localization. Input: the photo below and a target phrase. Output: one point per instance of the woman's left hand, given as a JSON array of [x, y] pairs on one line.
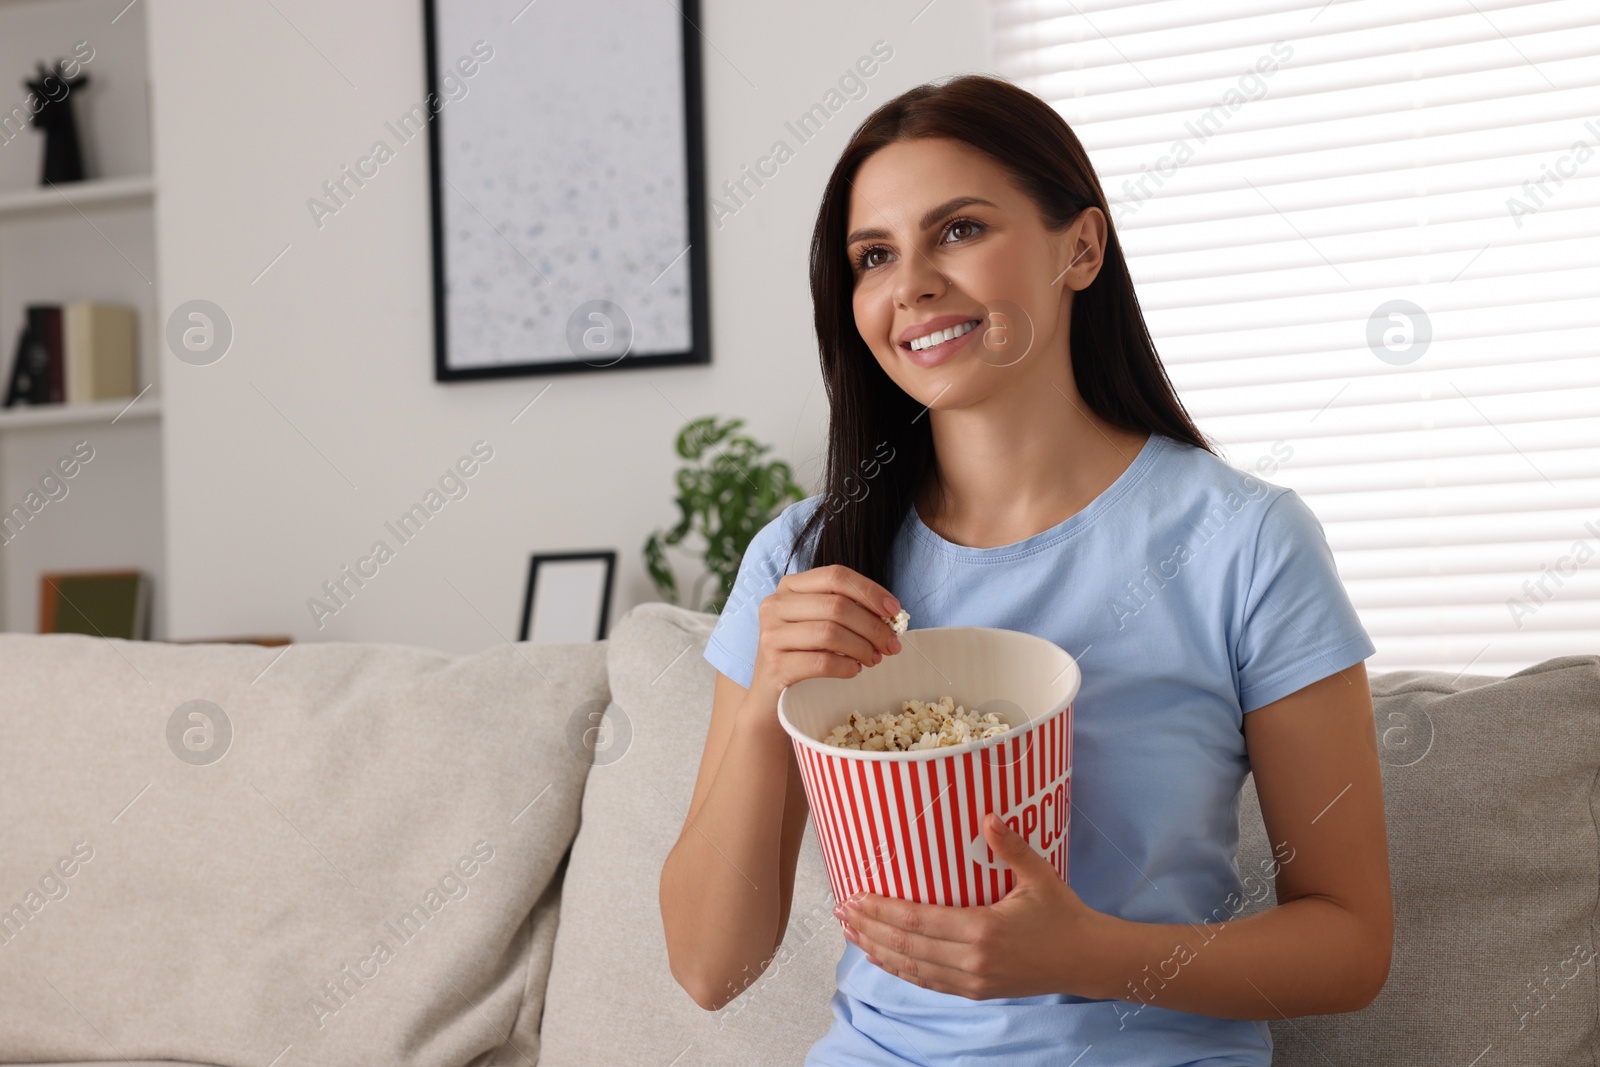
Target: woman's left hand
[[1037, 939]]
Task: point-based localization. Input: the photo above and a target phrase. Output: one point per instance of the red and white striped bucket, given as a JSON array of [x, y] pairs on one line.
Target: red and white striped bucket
[[909, 824]]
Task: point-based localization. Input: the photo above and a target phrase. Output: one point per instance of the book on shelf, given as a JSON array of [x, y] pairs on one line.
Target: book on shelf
[[45, 319], [77, 354], [100, 351], [107, 603], [29, 369]]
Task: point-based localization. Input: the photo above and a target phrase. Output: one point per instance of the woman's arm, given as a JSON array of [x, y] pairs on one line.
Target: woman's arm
[[1325, 947], [727, 884]]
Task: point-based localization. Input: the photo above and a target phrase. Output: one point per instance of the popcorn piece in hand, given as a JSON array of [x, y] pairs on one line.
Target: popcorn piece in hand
[[899, 622]]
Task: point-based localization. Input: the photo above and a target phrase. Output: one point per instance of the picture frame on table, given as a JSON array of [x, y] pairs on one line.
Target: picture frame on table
[[568, 596], [566, 153]]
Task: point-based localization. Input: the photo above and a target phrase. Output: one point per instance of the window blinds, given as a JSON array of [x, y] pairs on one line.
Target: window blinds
[[1364, 237]]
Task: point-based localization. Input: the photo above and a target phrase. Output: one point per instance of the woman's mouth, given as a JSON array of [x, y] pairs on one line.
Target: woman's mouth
[[938, 353]]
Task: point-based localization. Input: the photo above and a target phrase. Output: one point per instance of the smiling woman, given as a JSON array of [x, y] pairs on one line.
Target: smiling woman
[[974, 311]]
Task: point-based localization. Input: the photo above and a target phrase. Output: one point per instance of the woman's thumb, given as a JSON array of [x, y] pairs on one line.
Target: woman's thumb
[[1016, 852]]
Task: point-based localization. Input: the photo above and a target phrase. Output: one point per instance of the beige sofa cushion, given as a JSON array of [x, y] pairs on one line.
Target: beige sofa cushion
[[1490, 796], [611, 998], [209, 904]]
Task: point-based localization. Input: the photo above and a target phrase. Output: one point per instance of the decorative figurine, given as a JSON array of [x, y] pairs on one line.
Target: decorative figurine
[[63, 161]]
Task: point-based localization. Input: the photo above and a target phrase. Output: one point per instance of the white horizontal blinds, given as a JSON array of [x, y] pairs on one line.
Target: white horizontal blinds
[[1445, 153]]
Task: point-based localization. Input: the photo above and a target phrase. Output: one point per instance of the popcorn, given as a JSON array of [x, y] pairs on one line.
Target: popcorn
[[917, 725], [899, 622]]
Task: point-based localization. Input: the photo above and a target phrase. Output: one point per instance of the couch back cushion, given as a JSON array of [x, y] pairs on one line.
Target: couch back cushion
[[1490, 794], [365, 871], [611, 998]]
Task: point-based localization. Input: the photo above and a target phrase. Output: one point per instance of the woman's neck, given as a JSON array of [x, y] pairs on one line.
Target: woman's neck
[[999, 480]]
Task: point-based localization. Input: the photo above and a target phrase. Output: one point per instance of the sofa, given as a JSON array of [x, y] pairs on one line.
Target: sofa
[[364, 853]]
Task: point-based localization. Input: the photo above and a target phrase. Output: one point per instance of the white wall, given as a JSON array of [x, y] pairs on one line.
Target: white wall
[[284, 459]]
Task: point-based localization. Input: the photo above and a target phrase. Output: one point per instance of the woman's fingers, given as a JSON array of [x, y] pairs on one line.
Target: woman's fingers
[[831, 616], [932, 922], [843, 581], [834, 620], [912, 966], [829, 635]]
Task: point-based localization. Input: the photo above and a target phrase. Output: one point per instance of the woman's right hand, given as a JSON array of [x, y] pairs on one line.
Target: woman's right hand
[[827, 622]]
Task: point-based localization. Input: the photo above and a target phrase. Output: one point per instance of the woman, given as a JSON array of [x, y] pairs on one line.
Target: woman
[[1038, 473]]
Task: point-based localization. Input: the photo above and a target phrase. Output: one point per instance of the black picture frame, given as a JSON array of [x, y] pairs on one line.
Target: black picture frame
[[697, 299], [538, 559]]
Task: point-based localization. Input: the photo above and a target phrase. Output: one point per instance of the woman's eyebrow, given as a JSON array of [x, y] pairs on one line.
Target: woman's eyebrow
[[932, 216]]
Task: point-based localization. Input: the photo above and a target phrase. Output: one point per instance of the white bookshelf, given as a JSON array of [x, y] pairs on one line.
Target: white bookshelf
[[76, 196], [99, 413], [87, 240]]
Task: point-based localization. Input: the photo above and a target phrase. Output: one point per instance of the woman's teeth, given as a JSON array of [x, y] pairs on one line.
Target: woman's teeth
[[942, 336]]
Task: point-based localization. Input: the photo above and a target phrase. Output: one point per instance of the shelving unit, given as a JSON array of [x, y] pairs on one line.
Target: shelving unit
[[87, 240], [102, 411], [19, 203]]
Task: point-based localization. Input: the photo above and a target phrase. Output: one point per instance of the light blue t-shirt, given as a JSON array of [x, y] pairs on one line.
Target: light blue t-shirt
[[1191, 593]]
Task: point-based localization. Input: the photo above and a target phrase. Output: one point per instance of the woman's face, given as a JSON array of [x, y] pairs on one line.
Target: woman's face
[[939, 236]]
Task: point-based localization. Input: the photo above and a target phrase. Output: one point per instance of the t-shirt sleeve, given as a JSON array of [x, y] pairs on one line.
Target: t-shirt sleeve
[[731, 648], [1298, 625]]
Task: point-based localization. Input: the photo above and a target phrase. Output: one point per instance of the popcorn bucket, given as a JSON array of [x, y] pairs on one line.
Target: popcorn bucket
[[909, 824]]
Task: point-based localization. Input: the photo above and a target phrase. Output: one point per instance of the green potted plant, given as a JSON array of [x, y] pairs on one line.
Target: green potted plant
[[727, 494]]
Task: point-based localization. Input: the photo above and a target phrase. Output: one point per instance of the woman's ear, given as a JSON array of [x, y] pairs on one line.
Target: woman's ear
[[1081, 249]]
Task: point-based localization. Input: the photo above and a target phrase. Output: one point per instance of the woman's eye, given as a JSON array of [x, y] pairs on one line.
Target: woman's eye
[[864, 261]]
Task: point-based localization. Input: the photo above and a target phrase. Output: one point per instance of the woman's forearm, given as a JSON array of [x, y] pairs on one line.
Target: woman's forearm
[[720, 893], [1309, 956]]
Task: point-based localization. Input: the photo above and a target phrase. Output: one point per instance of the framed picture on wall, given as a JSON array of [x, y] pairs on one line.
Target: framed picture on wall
[[568, 186], [568, 597]]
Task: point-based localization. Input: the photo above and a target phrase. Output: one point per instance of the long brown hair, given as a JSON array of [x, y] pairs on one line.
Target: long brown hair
[[865, 497]]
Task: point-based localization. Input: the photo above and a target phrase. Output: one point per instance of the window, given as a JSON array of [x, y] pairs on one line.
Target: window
[[1364, 235]]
